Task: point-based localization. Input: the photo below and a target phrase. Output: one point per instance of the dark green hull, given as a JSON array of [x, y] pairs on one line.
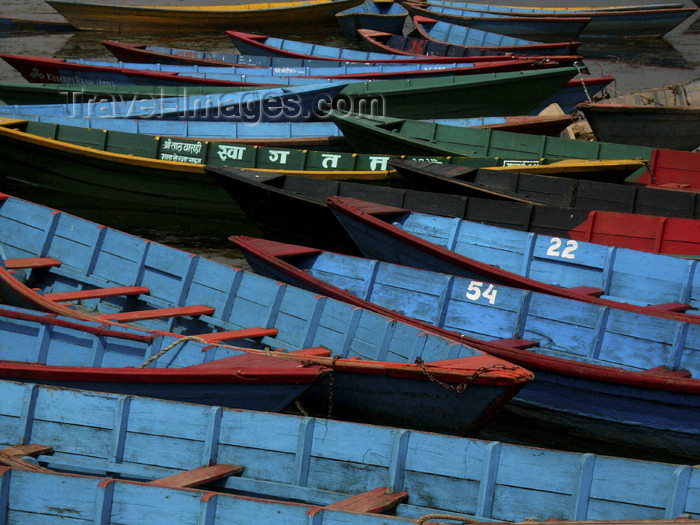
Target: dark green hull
[[399, 136], [483, 95], [137, 180]]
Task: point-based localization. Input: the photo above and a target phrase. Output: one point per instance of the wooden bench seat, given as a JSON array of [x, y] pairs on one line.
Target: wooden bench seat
[[587, 290], [197, 476], [229, 335], [159, 313], [373, 501], [96, 293], [669, 307], [12, 457], [31, 262], [27, 450]]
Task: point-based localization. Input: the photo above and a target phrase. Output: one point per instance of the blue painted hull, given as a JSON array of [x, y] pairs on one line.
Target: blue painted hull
[[573, 94], [365, 400], [265, 105], [543, 29], [608, 276], [605, 23], [226, 299], [655, 419], [258, 396], [300, 462], [607, 407]]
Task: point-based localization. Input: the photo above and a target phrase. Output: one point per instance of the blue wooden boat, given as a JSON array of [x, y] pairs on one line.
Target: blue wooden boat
[[607, 373], [65, 265], [338, 469], [37, 69], [542, 28], [380, 15], [578, 90], [443, 97], [263, 45], [292, 104], [129, 52], [658, 285], [606, 22], [460, 39], [56, 350]]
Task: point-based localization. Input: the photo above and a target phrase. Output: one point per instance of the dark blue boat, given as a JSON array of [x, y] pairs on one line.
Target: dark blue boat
[[461, 39], [601, 372]]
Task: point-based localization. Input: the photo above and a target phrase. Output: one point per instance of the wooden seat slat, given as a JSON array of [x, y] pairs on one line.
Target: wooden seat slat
[[197, 476], [142, 315], [670, 307], [215, 337], [373, 501], [20, 464], [31, 262], [587, 290], [96, 293], [26, 450]]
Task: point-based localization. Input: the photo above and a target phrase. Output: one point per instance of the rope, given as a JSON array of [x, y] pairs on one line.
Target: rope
[[580, 74], [170, 347], [301, 408], [461, 519]]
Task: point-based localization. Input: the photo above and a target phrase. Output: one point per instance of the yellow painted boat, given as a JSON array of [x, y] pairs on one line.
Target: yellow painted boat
[[185, 19]]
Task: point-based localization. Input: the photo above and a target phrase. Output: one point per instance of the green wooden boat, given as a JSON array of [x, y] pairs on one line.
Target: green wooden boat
[[61, 93], [483, 95], [132, 171], [402, 136]]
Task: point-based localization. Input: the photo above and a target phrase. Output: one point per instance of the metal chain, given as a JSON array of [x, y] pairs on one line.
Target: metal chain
[[331, 384], [467, 381]]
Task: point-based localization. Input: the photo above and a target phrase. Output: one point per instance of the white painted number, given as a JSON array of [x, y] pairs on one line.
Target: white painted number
[[474, 292], [568, 252]]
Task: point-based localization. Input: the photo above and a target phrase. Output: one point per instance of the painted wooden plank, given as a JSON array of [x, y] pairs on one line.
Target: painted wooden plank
[[398, 460], [303, 454], [26, 450], [215, 337], [670, 307], [20, 464], [198, 476], [158, 313], [373, 501], [31, 263], [97, 293]]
